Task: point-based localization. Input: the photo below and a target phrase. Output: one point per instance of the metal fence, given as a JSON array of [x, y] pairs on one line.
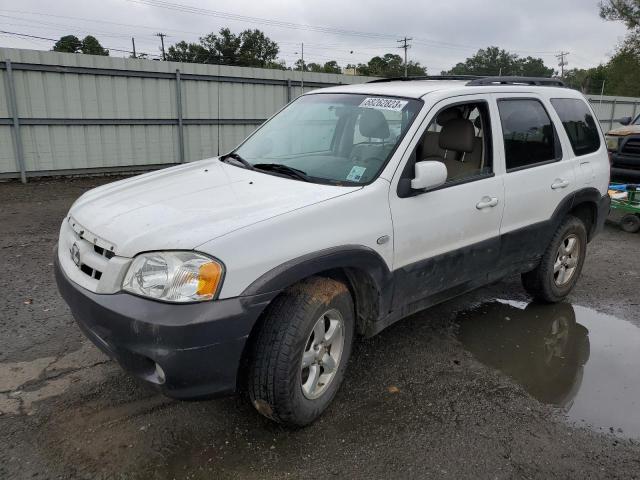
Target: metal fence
[[71, 114], [610, 110]]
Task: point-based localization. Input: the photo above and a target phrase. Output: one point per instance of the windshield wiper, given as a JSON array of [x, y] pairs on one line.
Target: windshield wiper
[[284, 169], [237, 157]]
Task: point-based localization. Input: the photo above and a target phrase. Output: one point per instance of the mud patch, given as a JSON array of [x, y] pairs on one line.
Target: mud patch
[[572, 357]]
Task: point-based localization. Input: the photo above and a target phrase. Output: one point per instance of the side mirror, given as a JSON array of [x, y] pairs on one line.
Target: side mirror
[[625, 120], [429, 174]]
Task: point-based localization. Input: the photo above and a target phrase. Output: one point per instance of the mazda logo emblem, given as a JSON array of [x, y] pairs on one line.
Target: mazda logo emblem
[[75, 254]]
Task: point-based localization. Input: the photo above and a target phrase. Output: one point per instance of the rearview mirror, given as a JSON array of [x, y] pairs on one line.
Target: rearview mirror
[[625, 120], [429, 174]]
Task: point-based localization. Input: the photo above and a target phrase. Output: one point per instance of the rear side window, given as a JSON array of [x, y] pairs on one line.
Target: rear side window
[[529, 136], [579, 124]]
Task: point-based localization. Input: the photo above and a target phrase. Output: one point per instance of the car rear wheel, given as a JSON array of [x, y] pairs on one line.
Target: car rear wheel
[[301, 351], [560, 266]]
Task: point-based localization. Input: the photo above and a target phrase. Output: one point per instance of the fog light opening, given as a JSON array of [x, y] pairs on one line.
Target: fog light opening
[[160, 374]]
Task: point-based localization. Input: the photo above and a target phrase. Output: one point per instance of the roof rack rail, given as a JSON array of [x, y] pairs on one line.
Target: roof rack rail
[[426, 77], [537, 81]]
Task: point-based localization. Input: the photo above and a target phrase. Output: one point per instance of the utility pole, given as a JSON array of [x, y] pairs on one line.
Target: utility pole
[[562, 62], [133, 43], [405, 46], [162, 35], [302, 68]]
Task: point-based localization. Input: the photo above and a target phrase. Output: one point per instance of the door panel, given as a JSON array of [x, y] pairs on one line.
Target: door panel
[[533, 192], [447, 237], [442, 239]]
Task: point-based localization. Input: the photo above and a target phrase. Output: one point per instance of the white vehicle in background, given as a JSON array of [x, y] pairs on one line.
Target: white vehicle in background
[[350, 209]]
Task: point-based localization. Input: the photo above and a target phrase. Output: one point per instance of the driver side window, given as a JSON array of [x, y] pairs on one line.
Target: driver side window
[[460, 137]]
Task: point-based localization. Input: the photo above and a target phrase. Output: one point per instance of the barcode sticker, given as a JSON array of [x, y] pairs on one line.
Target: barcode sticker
[[384, 103]]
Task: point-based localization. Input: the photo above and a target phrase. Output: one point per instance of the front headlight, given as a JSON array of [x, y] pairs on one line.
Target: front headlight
[[612, 142], [174, 276]]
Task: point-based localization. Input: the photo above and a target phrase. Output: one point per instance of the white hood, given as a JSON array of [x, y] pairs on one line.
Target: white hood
[[183, 207]]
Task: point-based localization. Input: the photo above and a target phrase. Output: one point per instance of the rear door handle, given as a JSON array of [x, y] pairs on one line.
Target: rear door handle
[[487, 202], [559, 183]]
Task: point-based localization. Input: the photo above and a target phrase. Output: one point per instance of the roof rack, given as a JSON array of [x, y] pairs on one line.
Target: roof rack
[[426, 77], [537, 81]]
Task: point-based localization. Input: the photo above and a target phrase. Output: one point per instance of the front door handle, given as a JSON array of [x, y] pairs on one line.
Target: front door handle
[[487, 202], [559, 183]]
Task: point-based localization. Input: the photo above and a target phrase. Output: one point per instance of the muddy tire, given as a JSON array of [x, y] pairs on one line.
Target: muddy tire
[[561, 264], [301, 351], [630, 223]]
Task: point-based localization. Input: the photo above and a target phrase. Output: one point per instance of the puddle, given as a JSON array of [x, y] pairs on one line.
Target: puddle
[[572, 357]]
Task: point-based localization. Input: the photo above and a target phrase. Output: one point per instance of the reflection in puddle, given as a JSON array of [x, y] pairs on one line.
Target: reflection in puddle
[[568, 356]]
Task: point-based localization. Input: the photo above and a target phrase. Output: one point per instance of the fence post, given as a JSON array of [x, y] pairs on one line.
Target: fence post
[[613, 112], [13, 106], [179, 111], [288, 90]]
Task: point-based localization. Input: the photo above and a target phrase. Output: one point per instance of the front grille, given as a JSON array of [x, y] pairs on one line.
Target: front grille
[[87, 251], [631, 147]]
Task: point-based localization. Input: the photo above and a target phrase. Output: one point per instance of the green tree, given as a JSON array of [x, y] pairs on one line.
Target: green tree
[[223, 47], [627, 11], [331, 67], [256, 49], [390, 65], [188, 53], [313, 67], [623, 71], [588, 81], [249, 48], [91, 46], [533, 67], [496, 61], [68, 44]]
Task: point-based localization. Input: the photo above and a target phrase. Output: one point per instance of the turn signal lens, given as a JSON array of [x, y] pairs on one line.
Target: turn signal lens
[[209, 276]]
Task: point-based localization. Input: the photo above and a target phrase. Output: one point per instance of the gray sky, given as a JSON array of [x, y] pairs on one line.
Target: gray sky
[[444, 32]]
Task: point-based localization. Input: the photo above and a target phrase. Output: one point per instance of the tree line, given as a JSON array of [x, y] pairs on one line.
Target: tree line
[[252, 48]]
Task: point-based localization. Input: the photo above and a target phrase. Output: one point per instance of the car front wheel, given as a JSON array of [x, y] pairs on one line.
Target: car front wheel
[[301, 351]]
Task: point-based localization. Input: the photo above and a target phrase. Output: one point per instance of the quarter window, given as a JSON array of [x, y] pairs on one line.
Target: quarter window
[[529, 135], [579, 124]]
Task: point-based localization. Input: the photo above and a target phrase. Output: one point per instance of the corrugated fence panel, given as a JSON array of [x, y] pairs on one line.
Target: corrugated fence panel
[[84, 113]]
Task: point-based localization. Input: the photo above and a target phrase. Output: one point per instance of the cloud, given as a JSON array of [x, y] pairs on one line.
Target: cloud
[[443, 33]]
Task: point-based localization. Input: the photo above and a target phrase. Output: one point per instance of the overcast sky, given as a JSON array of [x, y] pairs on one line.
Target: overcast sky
[[444, 32]]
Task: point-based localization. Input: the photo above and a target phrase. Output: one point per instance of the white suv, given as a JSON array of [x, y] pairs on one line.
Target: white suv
[[352, 207]]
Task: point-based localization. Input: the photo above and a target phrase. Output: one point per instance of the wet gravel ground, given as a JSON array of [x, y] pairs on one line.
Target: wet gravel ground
[[446, 393]]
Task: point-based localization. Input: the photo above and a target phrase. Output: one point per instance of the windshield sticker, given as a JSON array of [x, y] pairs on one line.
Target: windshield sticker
[[384, 103], [356, 173]]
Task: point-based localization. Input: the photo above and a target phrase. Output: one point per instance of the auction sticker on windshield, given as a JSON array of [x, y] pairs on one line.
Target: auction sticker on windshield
[[383, 103]]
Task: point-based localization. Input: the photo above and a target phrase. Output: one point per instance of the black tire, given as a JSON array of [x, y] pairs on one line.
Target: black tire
[[630, 223], [275, 375], [541, 282]]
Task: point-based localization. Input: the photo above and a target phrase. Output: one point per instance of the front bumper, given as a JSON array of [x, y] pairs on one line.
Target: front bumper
[[198, 346]]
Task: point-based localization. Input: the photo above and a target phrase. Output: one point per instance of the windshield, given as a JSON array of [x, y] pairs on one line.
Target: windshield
[[637, 120], [333, 138]]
